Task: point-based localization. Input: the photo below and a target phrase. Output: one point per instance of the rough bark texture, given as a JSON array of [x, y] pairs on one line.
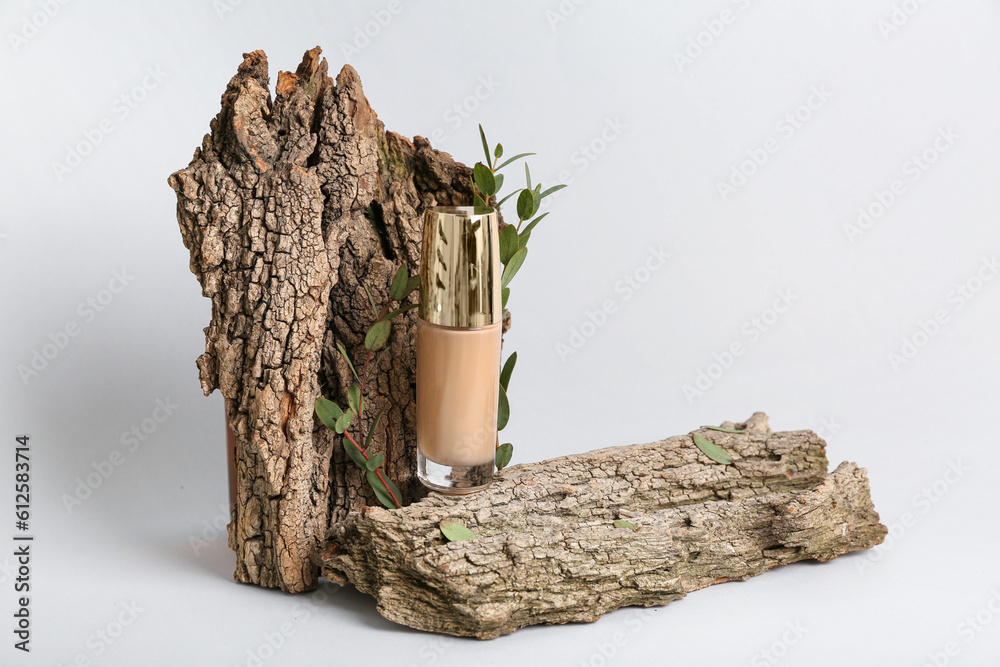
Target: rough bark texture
[[548, 550], [289, 207]]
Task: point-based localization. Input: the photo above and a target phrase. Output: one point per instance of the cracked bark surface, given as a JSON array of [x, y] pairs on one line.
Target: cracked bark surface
[[548, 551], [288, 207]]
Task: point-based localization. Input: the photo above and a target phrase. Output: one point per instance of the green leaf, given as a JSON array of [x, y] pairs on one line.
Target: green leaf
[[380, 490], [522, 240], [343, 352], [454, 531], [498, 151], [402, 310], [508, 368], [399, 282], [486, 146], [412, 284], [378, 334], [499, 183], [371, 300], [507, 197], [712, 450], [393, 488], [724, 430], [513, 266], [554, 188], [344, 422], [374, 462], [531, 225], [504, 294], [354, 398], [502, 457], [371, 429], [478, 201], [485, 181], [503, 410], [516, 157], [622, 523], [355, 455], [527, 175], [525, 204], [328, 412], [508, 243]]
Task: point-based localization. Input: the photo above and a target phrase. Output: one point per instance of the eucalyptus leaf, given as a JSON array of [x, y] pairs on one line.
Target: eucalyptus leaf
[[371, 300], [712, 450], [355, 455], [527, 175], [343, 353], [373, 462], [344, 422], [412, 284], [498, 151], [503, 410], [513, 266], [622, 523], [371, 429], [554, 188], [486, 145], [328, 412], [395, 489], [455, 530], [485, 180], [354, 398], [399, 282], [523, 238], [525, 204], [499, 183], [478, 201], [378, 334], [516, 157], [504, 294], [380, 490], [499, 203], [508, 243], [531, 225], [508, 368], [400, 311], [502, 457], [724, 430]]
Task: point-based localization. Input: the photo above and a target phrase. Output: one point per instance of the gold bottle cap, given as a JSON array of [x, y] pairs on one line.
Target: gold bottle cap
[[460, 267]]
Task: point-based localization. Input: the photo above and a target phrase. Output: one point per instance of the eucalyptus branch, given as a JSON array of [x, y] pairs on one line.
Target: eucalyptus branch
[[339, 420], [486, 184]]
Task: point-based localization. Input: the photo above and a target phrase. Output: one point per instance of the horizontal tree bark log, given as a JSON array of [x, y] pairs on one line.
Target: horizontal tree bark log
[[548, 551]]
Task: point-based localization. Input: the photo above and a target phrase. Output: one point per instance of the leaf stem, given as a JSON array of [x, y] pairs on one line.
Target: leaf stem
[[378, 471]]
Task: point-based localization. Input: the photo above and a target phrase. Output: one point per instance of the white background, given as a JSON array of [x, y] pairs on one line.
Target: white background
[[672, 132]]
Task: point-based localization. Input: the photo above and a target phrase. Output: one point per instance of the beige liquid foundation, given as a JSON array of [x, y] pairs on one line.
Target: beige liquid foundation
[[458, 348]]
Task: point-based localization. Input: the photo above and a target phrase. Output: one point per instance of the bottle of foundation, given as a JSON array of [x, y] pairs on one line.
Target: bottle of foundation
[[458, 348]]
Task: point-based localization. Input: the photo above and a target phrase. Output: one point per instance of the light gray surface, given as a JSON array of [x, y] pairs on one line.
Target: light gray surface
[[556, 87]]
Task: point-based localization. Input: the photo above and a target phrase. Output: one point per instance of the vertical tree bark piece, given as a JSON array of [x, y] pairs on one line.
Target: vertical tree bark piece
[[289, 207], [548, 550]]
